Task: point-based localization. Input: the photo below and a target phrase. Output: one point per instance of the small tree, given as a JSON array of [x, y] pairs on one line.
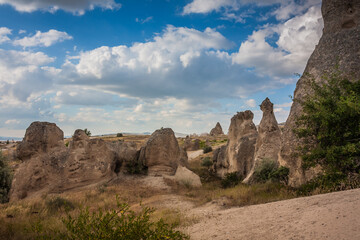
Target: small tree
[[87, 132], [5, 179], [330, 127]]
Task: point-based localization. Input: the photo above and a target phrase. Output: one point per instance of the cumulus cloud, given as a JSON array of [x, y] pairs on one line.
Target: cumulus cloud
[[297, 40], [238, 9], [43, 39], [4, 32], [75, 7]]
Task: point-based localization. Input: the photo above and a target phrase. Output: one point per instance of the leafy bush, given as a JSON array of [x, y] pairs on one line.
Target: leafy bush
[[58, 203], [206, 162], [268, 170], [135, 168], [5, 179], [231, 180], [119, 135], [207, 149], [330, 128], [87, 132], [114, 224]]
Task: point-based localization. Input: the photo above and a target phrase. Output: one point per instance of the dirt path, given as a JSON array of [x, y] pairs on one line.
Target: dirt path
[[327, 216]]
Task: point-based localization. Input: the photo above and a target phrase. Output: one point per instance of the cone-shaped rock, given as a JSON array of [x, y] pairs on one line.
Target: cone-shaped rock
[[339, 46], [269, 139], [217, 130]]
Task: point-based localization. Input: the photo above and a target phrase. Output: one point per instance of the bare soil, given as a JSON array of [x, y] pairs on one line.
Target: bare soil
[[327, 216]]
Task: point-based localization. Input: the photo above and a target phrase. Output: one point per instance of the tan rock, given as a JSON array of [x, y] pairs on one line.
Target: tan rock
[[217, 130], [339, 46], [186, 177], [162, 154], [40, 137], [269, 139], [238, 156]]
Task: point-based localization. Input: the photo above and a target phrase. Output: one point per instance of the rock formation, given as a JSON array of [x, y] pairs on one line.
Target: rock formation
[[162, 154], [217, 130], [50, 167], [238, 155], [40, 137], [339, 46], [269, 139], [191, 145], [186, 177]]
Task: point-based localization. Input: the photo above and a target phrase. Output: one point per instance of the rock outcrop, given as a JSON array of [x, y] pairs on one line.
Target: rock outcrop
[[40, 137], [238, 155], [269, 139], [162, 154], [191, 145], [186, 177], [217, 130], [338, 50]]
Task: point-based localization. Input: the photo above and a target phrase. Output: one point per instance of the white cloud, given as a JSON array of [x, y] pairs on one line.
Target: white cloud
[[238, 9], [297, 40], [75, 7], [4, 32], [12, 121], [142, 21], [251, 103], [41, 39]]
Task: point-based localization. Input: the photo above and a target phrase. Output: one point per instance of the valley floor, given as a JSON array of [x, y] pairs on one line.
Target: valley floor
[[326, 216]]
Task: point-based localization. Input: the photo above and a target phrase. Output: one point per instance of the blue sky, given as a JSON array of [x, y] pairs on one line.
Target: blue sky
[[134, 66]]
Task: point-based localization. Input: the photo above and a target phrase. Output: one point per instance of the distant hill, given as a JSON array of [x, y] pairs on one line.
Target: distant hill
[[10, 138]]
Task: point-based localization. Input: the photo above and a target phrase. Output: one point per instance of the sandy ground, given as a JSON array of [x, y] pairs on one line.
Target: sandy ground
[[194, 154], [327, 216]]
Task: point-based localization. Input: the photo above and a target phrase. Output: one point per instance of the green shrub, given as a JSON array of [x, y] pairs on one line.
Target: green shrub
[[67, 144], [118, 224], [119, 135], [231, 180], [330, 129], [57, 204], [206, 162], [135, 168], [268, 170], [5, 179], [207, 149], [87, 132]]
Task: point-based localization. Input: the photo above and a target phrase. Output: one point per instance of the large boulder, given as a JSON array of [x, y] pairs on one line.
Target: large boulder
[[186, 177], [338, 50], [269, 139], [238, 155], [217, 130], [40, 137], [162, 154]]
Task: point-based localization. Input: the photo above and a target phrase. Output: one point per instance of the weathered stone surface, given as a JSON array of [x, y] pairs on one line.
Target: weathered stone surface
[[217, 130], [186, 177], [56, 168], [40, 137], [191, 145], [238, 156], [339, 46], [269, 139], [162, 153]]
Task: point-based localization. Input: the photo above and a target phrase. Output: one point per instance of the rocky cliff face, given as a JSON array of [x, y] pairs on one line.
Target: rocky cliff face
[[339, 46], [269, 139], [238, 155], [217, 130]]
